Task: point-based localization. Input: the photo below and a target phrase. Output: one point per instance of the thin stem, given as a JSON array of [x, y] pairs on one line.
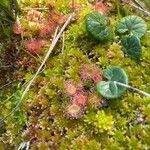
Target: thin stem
[[6, 85], [29, 8], [54, 42], [133, 88], [32, 56], [63, 42], [143, 10], [8, 66], [28, 145], [73, 5], [118, 8], [137, 2]]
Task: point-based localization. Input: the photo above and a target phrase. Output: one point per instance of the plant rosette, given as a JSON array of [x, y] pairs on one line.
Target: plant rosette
[[116, 85], [132, 25], [110, 89], [97, 27]]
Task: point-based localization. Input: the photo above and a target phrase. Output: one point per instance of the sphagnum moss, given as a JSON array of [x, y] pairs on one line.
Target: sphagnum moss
[[41, 119]]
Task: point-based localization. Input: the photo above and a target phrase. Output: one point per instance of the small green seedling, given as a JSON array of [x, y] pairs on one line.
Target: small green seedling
[[97, 26], [134, 28], [116, 85], [131, 46], [132, 25]]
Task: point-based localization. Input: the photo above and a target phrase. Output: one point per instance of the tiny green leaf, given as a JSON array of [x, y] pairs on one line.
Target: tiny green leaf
[[110, 89], [131, 45], [96, 25], [133, 25]]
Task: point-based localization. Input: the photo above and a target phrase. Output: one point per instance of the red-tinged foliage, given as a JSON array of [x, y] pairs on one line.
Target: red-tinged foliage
[[73, 111], [17, 28], [71, 88], [101, 8], [76, 8], [97, 77], [90, 72], [35, 46], [79, 99], [48, 28], [58, 18], [45, 26]]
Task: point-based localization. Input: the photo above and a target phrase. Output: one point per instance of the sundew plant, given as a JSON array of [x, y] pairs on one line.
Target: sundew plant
[[74, 75]]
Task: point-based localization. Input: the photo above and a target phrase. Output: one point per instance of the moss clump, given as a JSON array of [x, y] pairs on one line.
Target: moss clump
[[100, 121], [42, 120]]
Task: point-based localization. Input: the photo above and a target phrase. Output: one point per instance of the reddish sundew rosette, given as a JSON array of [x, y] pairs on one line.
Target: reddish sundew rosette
[[47, 28], [71, 88], [79, 99], [34, 46], [90, 72], [73, 111], [101, 8], [58, 18]]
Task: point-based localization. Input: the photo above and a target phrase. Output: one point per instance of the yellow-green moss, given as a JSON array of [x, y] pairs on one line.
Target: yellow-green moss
[[108, 128]]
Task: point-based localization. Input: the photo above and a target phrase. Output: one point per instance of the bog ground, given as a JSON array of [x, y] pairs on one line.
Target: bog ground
[[75, 75]]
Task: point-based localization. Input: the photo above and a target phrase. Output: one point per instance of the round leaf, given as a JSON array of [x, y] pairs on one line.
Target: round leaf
[[110, 89], [131, 45], [133, 25], [96, 25]]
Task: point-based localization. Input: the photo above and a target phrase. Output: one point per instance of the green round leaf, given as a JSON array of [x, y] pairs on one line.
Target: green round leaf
[[96, 25], [131, 45], [110, 89], [133, 25]]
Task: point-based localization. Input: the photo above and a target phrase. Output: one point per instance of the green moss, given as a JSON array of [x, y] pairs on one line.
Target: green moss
[[41, 118], [99, 121]]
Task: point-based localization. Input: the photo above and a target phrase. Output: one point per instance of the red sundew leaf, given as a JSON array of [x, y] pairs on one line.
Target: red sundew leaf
[[73, 111], [17, 28], [71, 88], [97, 77], [101, 8], [35, 46], [90, 72], [58, 18], [80, 99], [48, 28]]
